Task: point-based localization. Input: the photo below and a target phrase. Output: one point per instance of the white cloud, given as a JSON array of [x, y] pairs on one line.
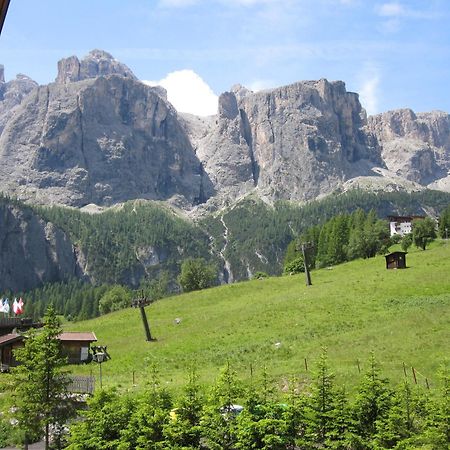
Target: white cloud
[[369, 89], [391, 10], [188, 92], [260, 85], [396, 10]]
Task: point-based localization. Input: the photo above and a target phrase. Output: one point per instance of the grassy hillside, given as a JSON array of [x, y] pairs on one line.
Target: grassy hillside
[[354, 308]]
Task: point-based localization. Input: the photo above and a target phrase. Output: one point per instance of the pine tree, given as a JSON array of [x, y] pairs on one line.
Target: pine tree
[[145, 428], [184, 428], [261, 425], [444, 223], [41, 394], [219, 418], [372, 402], [322, 403]]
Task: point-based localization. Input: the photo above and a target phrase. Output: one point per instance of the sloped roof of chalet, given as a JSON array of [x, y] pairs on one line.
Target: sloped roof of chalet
[[10, 338], [77, 336], [67, 336]]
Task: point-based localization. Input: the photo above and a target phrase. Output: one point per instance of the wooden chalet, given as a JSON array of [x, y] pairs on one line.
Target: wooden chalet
[[396, 260], [75, 346]]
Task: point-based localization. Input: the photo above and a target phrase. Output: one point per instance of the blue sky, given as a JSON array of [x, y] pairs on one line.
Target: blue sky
[[393, 53]]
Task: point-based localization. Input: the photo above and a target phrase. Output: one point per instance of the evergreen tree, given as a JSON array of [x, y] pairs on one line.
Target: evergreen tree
[[41, 394], [372, 402], [261, 425], [145, 428], [444, 223], [184, 430], [338, 240], [219, 418], [321, 426], [107, 416], [294, 417]]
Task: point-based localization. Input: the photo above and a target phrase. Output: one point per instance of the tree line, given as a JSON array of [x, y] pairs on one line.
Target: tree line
[[315, 414], [306, 414], [346, 237]]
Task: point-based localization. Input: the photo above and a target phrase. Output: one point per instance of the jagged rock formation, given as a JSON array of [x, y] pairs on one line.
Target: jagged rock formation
[[415, 147], [96, 64], [296, 142], [11, 95], [33, 252], [98, 135], [100, 140]]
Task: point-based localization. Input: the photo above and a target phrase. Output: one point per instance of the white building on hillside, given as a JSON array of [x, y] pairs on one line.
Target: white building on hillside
[[402, 224]]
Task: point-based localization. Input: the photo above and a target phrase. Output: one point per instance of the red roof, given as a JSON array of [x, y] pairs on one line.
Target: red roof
[[77, 336], [9, 338]]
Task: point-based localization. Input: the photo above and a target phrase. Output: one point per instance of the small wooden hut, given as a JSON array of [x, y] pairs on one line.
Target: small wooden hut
[[396, 260]]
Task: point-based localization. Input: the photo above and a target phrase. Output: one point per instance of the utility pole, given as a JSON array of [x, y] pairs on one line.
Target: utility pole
[[141, 302], [305, 247]]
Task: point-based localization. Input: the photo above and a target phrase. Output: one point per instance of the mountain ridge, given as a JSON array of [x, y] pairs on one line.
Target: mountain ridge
[[296, 142]]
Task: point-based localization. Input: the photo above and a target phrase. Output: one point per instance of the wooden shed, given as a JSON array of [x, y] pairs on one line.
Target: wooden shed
[[396, 260], [76, 345]]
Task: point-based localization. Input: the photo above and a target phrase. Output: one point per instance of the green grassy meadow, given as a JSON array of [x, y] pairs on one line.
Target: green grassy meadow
[[352, 309]]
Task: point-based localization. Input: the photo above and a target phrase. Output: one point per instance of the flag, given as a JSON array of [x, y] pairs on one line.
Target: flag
[[6, 306], [18, 306]]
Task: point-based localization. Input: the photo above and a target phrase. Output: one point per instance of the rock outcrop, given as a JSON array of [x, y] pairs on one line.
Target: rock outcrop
[[12, 94], [296, 142], [414, 146], [96, 64], [100, 140], [33, 251]]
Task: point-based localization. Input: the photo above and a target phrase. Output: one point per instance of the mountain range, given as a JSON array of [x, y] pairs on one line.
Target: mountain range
[[98, 135]]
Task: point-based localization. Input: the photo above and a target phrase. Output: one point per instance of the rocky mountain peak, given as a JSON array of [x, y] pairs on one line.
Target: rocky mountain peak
[[240, 91], [97, 63], [228, 107], [12, 94]]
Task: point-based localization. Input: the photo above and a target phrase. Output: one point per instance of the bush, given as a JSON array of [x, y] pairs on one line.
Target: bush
[[297, 265], [406, 242], [196, 274], [118, 297], [260, 275]]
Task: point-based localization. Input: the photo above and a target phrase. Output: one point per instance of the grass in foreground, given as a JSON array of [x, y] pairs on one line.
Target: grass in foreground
[[352, 309]]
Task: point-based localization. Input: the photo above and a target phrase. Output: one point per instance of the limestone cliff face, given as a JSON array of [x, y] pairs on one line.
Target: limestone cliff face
[[12, 94], [295, 142], [98, 135], [33, 252], [414, 146], [100, 140]]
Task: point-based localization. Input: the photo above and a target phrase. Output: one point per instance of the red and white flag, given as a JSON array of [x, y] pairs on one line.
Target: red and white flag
[[18, 306]]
